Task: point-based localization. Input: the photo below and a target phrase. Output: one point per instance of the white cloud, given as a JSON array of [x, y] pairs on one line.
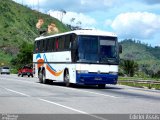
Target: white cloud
[[72, 5], [140, 25], [152, 1], [81, 20], [108, 22]]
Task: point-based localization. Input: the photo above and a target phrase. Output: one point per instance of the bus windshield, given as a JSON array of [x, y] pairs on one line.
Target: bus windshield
[[98, 49]]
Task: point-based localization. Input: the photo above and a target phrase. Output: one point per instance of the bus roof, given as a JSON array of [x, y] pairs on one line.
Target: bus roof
[[81, 32]]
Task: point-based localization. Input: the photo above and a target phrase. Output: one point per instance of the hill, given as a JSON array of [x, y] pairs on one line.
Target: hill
[[18, 24], [146, 56]]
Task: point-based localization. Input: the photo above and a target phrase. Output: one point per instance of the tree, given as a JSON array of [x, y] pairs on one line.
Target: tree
[[72, 20], [79, 24], [24, 56], [129, 67]]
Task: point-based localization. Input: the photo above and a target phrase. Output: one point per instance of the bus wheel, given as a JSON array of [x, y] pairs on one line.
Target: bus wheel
[[101, 86], [44, 80], [40, 76], [67, 79]]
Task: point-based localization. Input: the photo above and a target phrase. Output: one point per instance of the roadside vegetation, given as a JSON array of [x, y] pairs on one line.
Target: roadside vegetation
[[131, 74], [24, 57]]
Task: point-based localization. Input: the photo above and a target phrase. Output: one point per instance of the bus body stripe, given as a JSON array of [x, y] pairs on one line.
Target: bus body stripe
[[53, 72]]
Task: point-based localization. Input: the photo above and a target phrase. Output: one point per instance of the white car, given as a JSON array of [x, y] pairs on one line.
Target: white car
[[4, 70]]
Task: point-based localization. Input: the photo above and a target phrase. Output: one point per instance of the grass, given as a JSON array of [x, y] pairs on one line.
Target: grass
[[5, 58], [137, 78]]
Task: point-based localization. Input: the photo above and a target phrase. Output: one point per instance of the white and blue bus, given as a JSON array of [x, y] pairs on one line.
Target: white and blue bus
[[89, 57]]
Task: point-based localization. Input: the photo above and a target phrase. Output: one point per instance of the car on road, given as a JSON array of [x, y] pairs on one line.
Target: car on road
[[25, 70], [4, 70]]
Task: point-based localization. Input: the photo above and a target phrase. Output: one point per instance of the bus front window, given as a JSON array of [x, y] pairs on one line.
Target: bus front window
[[108, 49], [97, 49], [88, 49]]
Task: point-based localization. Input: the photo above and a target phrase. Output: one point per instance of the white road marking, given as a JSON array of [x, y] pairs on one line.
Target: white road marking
[[70, 108], [105, 95], [100, 94], [18, 92]]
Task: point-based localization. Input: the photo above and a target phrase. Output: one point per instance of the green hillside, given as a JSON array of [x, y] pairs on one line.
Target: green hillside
[[17, 24], [146, 56]]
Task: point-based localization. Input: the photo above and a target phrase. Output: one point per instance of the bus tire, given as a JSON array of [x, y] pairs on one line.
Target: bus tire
[[101, 86], [40, 76], [44, 80], [67, 78]]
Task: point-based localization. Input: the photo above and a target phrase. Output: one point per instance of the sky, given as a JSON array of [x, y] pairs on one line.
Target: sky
[[129, 19]]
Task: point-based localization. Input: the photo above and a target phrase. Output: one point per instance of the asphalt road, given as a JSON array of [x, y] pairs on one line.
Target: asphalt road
[[27, 97]]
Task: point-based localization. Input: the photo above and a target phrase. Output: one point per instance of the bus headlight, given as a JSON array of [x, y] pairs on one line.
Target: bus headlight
[[82, 71]]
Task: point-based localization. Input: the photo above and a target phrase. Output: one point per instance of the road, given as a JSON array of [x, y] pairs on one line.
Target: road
[[23, 95]]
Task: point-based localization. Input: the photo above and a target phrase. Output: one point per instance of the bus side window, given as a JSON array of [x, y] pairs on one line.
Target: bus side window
[[42, 46], [45, 45], [62, 41], [74, 48], [57, 44], [67, 44], [35, 47], [38, 47], [51, 44]]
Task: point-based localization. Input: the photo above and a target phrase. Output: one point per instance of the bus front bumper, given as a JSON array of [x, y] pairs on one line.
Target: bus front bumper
[[96, 79]]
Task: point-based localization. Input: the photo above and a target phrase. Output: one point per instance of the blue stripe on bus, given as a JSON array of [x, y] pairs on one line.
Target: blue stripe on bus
[[95, 79], [38, 56], [45, 59]]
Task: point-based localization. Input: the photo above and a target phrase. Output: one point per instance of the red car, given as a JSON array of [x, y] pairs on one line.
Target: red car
[[25, 70]]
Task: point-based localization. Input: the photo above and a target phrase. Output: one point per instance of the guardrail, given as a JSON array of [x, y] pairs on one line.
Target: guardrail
[[149, 83]]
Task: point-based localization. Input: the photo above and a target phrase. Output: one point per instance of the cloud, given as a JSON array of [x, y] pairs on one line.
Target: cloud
[[140, 25], [72, 5], [81, 20], [108, 22], [152, 1], [80, 5]]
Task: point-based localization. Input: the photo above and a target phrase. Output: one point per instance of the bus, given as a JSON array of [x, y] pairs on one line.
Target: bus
[[88, 57]]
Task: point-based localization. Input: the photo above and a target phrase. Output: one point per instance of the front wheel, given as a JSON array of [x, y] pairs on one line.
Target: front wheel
[[43, 77], [40, 76], [67, 79]]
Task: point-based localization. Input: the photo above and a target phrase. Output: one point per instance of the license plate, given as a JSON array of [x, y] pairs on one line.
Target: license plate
[[97, 78]]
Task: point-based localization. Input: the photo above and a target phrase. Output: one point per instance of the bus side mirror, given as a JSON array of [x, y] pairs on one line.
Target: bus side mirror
[[120, 48]]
